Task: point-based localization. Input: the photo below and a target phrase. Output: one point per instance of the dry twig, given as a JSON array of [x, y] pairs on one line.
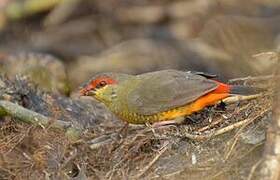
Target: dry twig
[[253, 169], [225, 129], [152, 162], [249, 78], [28, 116], [234, 99], [31, 117]]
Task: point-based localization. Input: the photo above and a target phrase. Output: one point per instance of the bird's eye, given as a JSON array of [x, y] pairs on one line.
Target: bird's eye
[[101, 84]]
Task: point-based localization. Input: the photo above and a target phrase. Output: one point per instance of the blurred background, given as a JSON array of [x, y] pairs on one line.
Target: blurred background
[[74, 39]]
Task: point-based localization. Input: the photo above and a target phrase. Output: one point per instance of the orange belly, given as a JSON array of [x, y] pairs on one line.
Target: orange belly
[[195, 106], [209, 99]]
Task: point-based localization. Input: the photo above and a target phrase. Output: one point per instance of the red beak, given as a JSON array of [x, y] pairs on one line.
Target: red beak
[[83, 92], [87, 91]]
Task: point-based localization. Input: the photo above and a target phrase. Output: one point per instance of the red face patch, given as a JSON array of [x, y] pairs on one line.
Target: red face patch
[[96, 84]]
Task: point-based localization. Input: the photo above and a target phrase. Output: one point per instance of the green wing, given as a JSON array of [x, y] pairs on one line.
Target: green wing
[[163, 90]]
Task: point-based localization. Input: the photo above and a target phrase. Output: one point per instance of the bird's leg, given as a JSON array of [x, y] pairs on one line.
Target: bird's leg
[[192, 120], [196, 117], [179, 120]]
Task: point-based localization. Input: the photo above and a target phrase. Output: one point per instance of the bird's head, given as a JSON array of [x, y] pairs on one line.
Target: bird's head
[[103, 87]]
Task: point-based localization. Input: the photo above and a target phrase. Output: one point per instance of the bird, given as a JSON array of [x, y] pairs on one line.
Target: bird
[[159, 97]]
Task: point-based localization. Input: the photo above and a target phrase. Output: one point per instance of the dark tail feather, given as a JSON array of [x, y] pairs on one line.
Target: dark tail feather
[[244, 90]]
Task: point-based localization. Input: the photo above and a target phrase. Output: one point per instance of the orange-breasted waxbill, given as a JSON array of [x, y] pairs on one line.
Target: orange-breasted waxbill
[[161, 96]]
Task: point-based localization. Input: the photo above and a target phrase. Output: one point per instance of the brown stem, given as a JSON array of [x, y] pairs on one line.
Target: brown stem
[[25, 115]]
